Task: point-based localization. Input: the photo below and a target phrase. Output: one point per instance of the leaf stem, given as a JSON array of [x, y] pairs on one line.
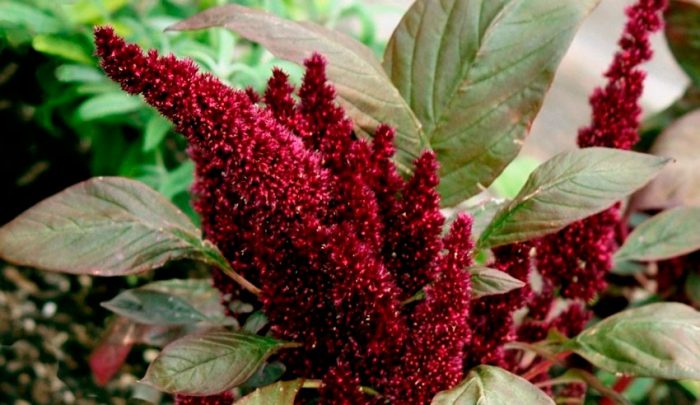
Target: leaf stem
[[598, 385], [247, 285], [216, 258]]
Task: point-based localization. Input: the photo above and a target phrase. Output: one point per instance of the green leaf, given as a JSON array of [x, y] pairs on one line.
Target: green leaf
[[156, 129], [683, 35], [198, 293], [105, 226], [267, 374], [55, 45], [482, 214], [625, 268], [364, 90], [476, 72], [79, 73], [669, 234], [178, 180], [108, 104], [153, 308], [488, 385], [90, 12], [255, 322], [280, 393], [487, 281], [679, 183], [27, 16], [657, 340], [569, 187], [514, 177], [210, 363]]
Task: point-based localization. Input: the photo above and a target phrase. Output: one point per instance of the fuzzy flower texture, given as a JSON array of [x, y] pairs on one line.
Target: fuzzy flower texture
[[322, 222], [336, 240]]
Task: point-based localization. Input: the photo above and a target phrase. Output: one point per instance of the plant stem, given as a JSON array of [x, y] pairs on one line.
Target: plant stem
[[593, 382], [620, 386], [247, 285], [214, 257]]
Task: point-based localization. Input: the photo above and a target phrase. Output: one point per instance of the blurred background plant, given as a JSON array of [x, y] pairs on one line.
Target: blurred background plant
[[58, 106], [64, 121]]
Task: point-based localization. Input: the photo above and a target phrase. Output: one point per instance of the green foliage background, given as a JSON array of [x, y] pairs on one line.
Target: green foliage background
[[64, 121]]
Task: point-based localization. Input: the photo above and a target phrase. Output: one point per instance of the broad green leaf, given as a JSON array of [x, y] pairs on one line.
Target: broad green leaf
[[669, 234], [178, 180], [156, 129], [210, 363], [79, 73], [569, 187], [489, 385], [658, 340], [693, 387], [91, 12], [625, 268], [487, 281], [364, 90], [107, 104], [105, 226], [255, 322], [198, 293], [683, 35], [55, 45], [28, 17], [280, 393], [514, 177], [679, 183], [482, 214], [476, 72], [154, 308]]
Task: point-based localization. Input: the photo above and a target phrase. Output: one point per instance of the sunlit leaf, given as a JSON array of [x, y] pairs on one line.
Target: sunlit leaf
[[280, 393], [106, 226], [55, 45], [107, 104], [209, 363], [199, 293], [679, 183], [154, 307], [658, 340], [476, 72], [488, 385], [669, 234], [487, 281], [156, 129], [569, 187]]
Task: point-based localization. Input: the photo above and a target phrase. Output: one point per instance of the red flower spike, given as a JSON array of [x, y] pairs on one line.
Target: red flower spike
[[616, 109], [314, 216], [440, 325], [577, 258]]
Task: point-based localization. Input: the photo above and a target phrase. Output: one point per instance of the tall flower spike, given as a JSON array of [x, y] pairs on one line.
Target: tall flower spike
[[616, 110], [434, 359], [577, 259], [314, 215]]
